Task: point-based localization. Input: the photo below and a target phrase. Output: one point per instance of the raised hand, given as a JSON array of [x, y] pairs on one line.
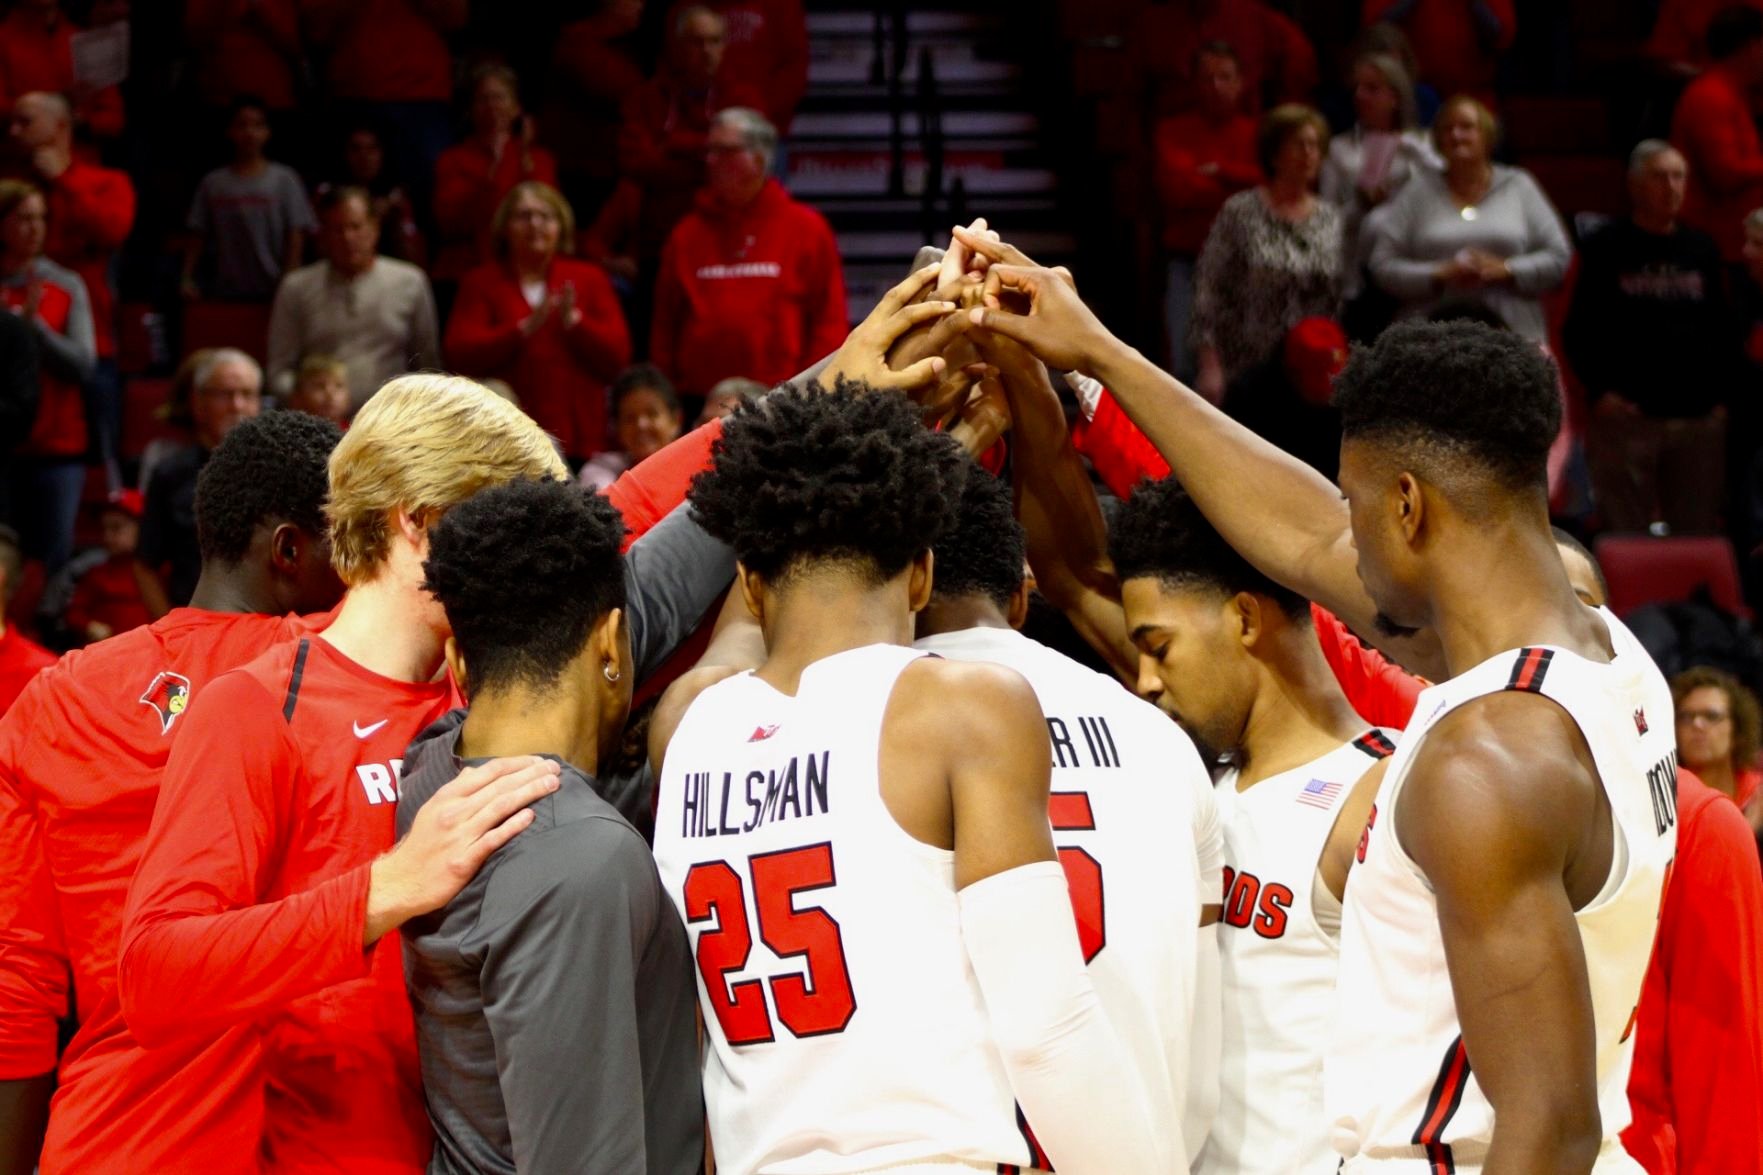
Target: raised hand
[[1054, 324], [984, 418], [864, 357]]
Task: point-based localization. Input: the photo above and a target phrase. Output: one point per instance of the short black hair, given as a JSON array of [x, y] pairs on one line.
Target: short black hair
[[850, 474], [1566, 538], [1160, 533], [269, 469], [1455, 391], [1465, 308], [641, 376], [246, 102], [981, 554], [1733, 29], [525, 570]]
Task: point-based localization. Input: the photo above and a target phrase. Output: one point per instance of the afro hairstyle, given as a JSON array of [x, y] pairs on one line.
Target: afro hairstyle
[[269, 469], [1456, 393], [524, 571], [1159, 532], [982, 553], [850, 475]]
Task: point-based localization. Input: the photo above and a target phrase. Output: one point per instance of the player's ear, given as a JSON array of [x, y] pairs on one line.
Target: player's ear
[[456, 665], [1017, 611], [1411, 504], [919, 577], [1244, 611], [285, 543], [610, 649], [752, 591]]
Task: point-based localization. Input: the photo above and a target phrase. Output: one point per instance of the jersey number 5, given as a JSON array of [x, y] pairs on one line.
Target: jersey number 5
[[1070, 812], [816, 1003]]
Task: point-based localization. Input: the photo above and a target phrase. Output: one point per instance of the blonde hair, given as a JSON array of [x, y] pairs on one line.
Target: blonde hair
[[548, 195], [423, 444], [1490, 126]]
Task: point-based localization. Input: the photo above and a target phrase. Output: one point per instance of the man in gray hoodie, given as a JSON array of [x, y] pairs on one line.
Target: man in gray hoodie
[[554, 996]]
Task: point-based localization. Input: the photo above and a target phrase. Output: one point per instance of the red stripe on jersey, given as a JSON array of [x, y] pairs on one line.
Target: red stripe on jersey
[[1070, 810], [1528, 673], [1375, 744], [1441, 1106]]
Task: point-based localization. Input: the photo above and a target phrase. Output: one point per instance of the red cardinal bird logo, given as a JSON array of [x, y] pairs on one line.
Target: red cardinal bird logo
[[167, 696], [761, 733]]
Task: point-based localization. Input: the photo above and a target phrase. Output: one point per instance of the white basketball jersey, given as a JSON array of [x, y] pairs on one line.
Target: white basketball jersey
[[1129, 793], [846, 1029], [1401, 1093], [1279, 966]]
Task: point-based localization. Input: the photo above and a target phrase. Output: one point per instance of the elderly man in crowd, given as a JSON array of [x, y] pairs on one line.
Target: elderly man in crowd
[[228, 388], [1650, 337], [373, 313], [750, 280]]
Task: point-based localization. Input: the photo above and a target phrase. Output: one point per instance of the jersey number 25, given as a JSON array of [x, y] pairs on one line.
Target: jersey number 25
[[816, 1003]]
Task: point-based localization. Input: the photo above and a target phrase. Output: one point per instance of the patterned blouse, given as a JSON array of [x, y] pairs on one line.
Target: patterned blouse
[[1260, 275]]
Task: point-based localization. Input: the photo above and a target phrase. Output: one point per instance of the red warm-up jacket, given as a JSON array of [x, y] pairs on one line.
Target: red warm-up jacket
[[757, 292], [560, 374]]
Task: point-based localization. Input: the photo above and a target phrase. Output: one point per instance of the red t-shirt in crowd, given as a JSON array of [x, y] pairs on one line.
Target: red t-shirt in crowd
[[59, 428], [767, 52], [1456, 54], [91, 210], [758, 292], [35, 56], [1713, 128], [469, 187], [1277, 59], [244, 47], [1187, 143], [20, 660], [110, 594], [249, 905], [385, 50], [1696, 1089], [78, 805], [1681, 31], [560, 373]]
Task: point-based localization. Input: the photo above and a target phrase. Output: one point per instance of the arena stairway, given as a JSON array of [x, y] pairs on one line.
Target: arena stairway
[[918, 115]]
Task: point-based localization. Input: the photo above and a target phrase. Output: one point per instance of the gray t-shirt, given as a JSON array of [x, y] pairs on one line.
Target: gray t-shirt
[[244, 221]]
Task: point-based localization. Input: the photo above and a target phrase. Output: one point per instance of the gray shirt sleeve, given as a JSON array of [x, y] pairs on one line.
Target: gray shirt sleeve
[[577, 906], [673, 576], [1543, 264], [74, 355]]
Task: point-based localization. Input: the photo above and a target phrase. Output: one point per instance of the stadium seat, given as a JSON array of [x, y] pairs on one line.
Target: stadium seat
[[1642, 569], [244, 325]]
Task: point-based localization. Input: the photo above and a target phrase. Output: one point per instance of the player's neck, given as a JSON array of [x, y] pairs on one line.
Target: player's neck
[[379, 627], [229, 590], [1534, 603], [1299, 714], [506, 723], [959, 614], [816, 618]]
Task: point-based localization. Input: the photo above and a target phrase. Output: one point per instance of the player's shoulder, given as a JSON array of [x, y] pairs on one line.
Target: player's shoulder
[[1516, 752], [677, 699], [935, 694]]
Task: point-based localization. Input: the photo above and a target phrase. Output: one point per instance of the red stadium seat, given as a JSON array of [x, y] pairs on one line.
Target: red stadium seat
[[1642, 569], [244, 325]]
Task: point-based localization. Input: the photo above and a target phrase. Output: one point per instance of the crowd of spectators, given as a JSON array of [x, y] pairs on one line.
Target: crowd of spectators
[[587, 213]]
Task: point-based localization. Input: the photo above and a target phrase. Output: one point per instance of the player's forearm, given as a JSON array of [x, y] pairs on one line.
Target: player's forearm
[[1279, 513], [24, 1115], [1557, 1133]]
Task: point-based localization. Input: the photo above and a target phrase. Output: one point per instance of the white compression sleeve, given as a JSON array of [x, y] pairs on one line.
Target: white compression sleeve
[[1079, 1092]]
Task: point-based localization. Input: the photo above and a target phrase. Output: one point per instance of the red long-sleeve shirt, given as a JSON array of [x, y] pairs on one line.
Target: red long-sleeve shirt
[[1457, 54], [1186, 143], [1278, 61], [1713, 128], [469, 186], [109, 593], [35, 56], [244, 47], [387, 50], [59, 428], [757, 293], [1696, 1089], [74, 812], [559, 373], [91, 210], [767, 52]]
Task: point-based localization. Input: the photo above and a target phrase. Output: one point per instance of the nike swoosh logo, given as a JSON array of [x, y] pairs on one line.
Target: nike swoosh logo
[[365, 731]]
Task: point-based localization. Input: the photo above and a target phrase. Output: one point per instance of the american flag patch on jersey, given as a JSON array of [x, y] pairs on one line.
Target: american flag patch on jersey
[[1319, 793]]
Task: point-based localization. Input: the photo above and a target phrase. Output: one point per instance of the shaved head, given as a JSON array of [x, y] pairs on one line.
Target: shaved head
[[46, 102]]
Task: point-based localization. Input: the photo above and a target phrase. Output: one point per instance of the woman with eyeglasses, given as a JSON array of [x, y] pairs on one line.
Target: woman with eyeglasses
[[544, 321], [1719, 726]]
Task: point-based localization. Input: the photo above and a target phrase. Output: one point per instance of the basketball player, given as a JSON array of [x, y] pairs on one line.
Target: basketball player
[[80, 764], [1126, 784], [1499, 924], [857, 835], [1233, 658]]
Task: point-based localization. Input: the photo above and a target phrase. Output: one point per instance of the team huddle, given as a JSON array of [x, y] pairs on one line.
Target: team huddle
[[340, 868]]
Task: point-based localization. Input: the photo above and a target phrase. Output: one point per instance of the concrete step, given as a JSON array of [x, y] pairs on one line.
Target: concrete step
[[871, 123]]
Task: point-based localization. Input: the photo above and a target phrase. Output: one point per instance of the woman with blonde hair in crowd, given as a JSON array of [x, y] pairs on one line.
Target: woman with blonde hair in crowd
[[1477, 228], [1719, 730], [542, 320]]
